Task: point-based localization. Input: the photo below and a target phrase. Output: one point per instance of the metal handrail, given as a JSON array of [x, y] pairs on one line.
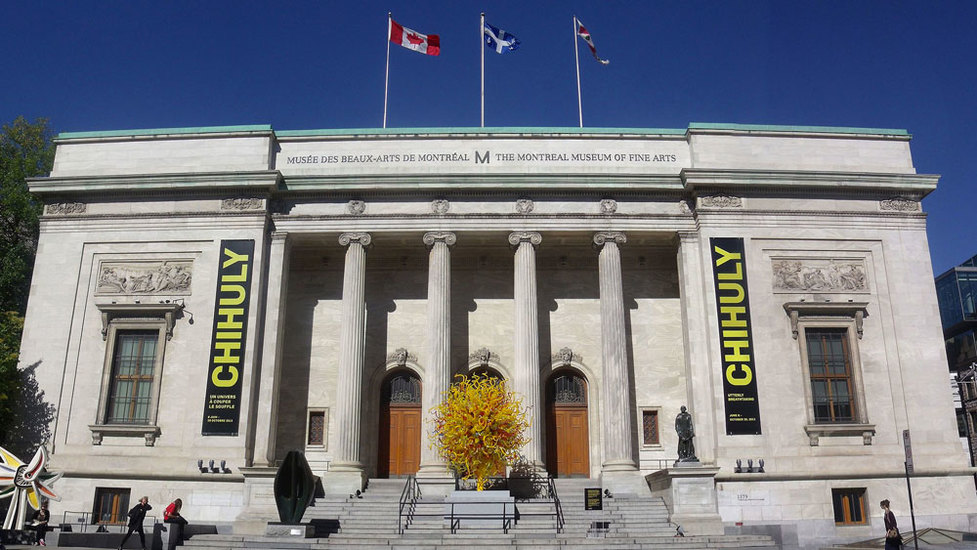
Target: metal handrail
[[551, 488], [408, 500], [455, 519]]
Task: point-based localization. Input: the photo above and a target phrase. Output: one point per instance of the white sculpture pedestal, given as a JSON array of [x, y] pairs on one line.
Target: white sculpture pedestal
[[689, 491]]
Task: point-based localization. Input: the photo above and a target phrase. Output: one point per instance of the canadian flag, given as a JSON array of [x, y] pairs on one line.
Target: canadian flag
[[413, 40]]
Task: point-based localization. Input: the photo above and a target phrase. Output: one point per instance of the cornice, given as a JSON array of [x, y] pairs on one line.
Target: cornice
[[259, 180], [914, 186]]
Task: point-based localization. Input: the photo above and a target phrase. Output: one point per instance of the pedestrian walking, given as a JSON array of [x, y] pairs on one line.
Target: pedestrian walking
[[893, 540], [136, 517]]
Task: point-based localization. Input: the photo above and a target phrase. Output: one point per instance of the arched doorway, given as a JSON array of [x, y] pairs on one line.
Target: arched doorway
[[400, 425], [567, 439]]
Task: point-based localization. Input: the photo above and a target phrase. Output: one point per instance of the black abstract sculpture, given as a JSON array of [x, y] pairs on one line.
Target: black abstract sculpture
[[294, 488]]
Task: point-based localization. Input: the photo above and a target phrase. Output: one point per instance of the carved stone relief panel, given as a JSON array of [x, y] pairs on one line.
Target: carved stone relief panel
[[356, 207], [819, 275], [171, 277], [61, 208], [248, 203], [899, 204], [721, 201]]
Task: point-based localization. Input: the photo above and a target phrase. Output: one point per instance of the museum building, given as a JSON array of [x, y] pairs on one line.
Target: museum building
[[205, 300]]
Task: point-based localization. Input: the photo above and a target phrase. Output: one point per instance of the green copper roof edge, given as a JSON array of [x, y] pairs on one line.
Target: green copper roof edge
[[479, 130], [167, 131], [805, 129]]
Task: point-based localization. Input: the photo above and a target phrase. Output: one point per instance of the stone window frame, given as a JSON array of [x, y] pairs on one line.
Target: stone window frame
[[841, 493], [657, 410], [836, 315], [125, 317], [324, 411]]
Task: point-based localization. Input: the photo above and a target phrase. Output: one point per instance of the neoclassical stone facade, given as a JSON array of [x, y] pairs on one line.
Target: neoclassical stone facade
[[231, 294]]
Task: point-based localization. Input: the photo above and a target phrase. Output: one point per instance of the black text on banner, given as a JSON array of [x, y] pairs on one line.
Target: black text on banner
[[735, 336], [222, 405]]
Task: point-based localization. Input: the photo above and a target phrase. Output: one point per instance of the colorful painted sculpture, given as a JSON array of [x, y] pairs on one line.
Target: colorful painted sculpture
[[26, 484]]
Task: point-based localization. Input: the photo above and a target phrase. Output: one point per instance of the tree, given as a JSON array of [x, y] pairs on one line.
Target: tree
[[479, 427], [26, 151]]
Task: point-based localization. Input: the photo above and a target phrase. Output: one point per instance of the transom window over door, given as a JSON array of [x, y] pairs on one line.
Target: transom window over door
[[829, 361], [132, 377]]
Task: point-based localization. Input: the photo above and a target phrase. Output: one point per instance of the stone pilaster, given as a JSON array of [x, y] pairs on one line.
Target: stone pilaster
[[346, 473], [694, 275], [266, 409], [437, 372], [616, 413], [526, 383]]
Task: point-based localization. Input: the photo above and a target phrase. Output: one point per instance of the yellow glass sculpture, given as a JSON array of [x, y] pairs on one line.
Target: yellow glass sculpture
[[479, 427]]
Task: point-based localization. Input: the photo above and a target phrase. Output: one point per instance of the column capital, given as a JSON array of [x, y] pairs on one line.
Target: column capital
[[445, 237], [688, 236], [521, 236], [603, 237], [360, 238], [279, 236]]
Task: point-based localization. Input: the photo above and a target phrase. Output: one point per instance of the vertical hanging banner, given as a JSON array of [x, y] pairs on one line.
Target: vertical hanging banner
[[222, 405], [735, 336]]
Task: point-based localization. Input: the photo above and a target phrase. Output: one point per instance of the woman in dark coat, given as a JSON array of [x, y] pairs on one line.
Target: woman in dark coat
[[41, 519], [893, 540], [136, 516]]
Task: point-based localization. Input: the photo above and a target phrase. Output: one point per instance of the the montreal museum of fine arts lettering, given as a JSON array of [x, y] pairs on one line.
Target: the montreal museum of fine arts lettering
[[234, 293]]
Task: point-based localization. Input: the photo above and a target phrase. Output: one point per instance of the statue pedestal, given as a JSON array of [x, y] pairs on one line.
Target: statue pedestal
[[689, 491], [290, 530]]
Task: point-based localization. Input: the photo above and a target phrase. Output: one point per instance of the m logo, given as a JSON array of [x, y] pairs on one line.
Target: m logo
[[481, 159]]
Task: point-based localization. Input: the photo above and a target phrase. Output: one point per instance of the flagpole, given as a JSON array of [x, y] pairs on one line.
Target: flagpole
[[576, 56], [481, 37], [386, 77]]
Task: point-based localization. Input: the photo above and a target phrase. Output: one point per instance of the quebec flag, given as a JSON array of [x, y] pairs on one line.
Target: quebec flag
[[499, 40]]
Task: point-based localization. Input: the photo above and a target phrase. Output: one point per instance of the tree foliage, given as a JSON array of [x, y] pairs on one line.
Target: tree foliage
[[479, 427], [26, 151]]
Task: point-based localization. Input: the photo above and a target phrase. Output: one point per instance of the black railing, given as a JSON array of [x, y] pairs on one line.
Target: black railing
[[557, 507], [535, 489], [506, 517], [408, 503], [83, 521]]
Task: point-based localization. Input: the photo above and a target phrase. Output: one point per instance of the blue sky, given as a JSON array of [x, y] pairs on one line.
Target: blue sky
[[113, 65]]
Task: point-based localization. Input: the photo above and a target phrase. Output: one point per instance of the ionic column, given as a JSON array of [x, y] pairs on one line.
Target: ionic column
[[526, 382], [616, 414], [346, 470], [437, 371], [266, 410]]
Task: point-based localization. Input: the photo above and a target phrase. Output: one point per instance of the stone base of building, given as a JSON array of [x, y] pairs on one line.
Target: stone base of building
[[343, 480], [259, 498], [435, 480], [624, 482], [690, 494]]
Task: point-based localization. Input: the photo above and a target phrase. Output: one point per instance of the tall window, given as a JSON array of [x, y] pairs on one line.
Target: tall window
[[649, 426], [132, 377], [317, 429], [849, 506], [829, 361]]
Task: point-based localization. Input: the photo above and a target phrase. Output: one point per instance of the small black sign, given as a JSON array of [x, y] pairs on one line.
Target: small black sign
[[593, 499]]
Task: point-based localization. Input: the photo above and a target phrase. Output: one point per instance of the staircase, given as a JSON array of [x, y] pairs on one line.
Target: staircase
[[370, 522]]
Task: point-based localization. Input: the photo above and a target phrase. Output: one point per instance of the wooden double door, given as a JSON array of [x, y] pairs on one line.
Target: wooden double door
[[567, 431], [399, 452]]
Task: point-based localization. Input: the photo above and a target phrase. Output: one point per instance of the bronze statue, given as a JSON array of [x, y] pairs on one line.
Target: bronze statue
[[685, 431]]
